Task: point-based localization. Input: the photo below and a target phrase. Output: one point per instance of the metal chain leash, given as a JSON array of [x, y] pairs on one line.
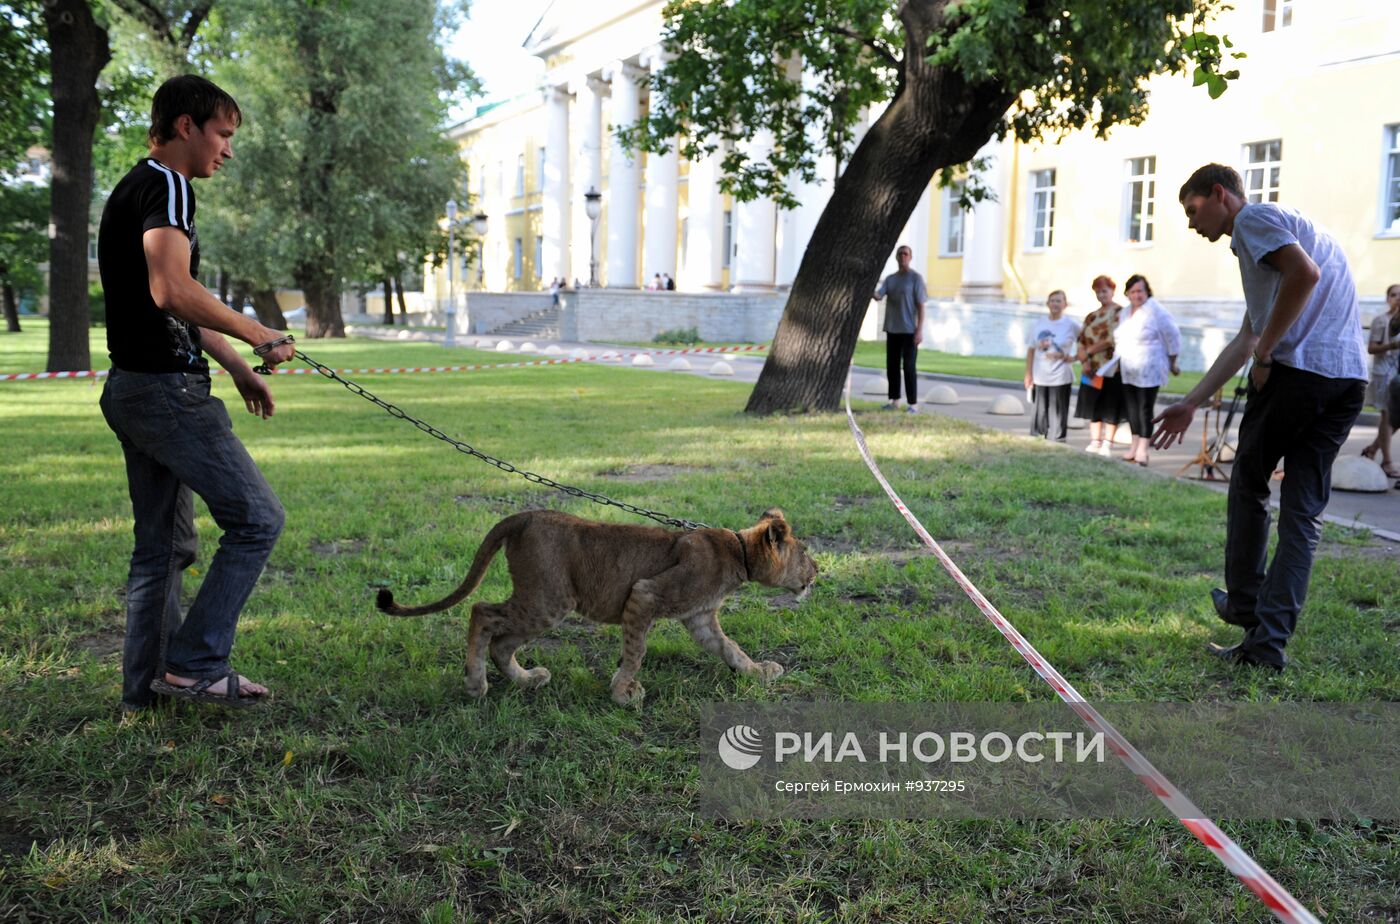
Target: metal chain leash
[[395, 411]]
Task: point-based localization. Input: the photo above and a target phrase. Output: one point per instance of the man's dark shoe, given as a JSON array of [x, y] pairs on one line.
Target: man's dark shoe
[[1234, 654], [1221, 599]]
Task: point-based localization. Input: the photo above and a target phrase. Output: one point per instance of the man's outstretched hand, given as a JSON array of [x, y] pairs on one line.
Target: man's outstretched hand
[[1172, 425]]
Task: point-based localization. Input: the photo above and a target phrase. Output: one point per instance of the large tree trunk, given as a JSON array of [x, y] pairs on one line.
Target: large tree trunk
[[388, 302], [323, 317], [398, 293], [78, 51], [935, 120], [11, 308], [269, 312]]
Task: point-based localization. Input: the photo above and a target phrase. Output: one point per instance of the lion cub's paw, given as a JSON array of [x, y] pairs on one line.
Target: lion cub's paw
[[534, 678], [627, 694], [768, 670], [478, 689]]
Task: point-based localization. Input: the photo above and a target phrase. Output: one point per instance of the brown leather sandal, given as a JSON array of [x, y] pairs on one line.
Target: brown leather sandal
[[232, 697]]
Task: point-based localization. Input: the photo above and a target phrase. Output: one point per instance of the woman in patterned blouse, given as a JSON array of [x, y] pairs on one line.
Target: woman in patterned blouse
[[1102, 406]]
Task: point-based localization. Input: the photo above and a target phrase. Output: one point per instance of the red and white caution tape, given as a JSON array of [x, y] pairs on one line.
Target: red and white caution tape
[[1274, 896], [606, 354]]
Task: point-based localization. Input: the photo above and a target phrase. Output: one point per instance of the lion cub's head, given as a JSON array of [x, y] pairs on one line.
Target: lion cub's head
[[778, 559]]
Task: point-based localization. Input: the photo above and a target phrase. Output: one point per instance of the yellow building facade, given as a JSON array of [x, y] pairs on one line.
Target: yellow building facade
[[1312, 122]]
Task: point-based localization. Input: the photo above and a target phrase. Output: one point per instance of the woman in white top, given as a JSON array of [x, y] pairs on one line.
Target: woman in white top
[[1382, 344], [1147, 344]]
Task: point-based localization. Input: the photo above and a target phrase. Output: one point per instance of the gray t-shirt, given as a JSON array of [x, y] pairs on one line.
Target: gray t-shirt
[[906, 293], [1326, 339]]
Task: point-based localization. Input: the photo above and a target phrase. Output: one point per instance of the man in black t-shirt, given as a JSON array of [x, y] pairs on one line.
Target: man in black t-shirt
[[176, 437]]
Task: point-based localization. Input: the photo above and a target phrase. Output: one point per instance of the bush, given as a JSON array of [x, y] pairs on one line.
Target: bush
[[684, 335]]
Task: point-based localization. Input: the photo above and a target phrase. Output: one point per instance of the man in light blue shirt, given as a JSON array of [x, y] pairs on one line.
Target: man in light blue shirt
[[1303, 329]]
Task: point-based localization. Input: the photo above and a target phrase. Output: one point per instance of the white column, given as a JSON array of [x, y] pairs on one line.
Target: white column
[[662, 205], [624, 177], [755, 228], [555, 205], [795, 226], [589, 163], [984, 236], [704, 256]]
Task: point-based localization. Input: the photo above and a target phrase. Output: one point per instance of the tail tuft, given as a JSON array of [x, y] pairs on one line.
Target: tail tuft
[[385, 599]]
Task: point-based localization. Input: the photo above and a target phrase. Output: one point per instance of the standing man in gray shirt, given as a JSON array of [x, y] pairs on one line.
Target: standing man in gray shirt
[[1303, 329], [904, 327]]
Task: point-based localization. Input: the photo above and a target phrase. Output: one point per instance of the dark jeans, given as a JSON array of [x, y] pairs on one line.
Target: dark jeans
[[902, 348], [1051, 412], [1304, 419], [178, 441]]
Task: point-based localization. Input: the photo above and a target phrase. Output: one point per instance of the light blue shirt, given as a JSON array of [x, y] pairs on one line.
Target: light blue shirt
[[1326, 338]]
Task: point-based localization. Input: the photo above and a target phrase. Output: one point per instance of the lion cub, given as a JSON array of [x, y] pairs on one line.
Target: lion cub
[[621, 574]]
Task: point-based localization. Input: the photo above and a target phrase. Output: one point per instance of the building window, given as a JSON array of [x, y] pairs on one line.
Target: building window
[[1390, 192], [1139, 199], [539, 168], [1042, 223], [520, 175], [481, 183], [539, 257], [519, 258], [1278, 14], [1262, 162], [728, 237], [951, 243]]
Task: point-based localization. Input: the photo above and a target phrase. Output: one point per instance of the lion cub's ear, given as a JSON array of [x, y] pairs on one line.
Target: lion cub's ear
[[773, 513], [777, 531]]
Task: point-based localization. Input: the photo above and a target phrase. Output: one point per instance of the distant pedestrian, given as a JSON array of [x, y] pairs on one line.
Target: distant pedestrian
[[904, 327], [1382, 344], [1100, 396], [1048, 370], [1148, 343], [667, 282]]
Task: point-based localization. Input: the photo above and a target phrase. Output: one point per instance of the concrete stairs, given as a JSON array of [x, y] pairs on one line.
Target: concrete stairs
[[542, 325]]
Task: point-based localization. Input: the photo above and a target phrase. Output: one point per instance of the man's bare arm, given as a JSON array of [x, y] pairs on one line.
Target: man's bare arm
[[1300, 275]]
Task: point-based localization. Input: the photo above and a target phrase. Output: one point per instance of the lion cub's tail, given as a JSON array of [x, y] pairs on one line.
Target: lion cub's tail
[[489, 547]]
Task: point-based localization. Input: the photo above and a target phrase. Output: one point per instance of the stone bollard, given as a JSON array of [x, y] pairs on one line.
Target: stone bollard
[[1007, 406], [721, 368], [942, 394], [879, 385], [505, 346], [679, 364], [1355, 473], [552, 350], [642, 359], [529, 346]]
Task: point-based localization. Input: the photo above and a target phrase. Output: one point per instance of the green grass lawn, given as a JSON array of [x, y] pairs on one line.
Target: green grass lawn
[[373, 788]]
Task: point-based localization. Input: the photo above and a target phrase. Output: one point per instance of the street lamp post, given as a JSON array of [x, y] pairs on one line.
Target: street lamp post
[[479, 226], [451, 272], [593, 207]]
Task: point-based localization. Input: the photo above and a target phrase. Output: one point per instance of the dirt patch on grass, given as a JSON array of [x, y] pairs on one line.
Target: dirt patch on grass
[[506, 504], [639, 473], [1375, 549], [335, 547], [845, 545], [101, 644], [14, 840]]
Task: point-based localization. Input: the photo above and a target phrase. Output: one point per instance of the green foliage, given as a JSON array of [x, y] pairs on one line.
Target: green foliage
[[24, 65], [341, 161], [97, 305], [683, 335], [24, 239], [739, 67]]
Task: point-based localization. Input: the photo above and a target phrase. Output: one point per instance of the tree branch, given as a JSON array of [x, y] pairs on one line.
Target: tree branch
[[198, 13], [880, 50], [143, 12]]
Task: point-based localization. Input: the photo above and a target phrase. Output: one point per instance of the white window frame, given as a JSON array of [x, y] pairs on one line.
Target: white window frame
[[951, 242], [519, 258], [1268, 186], [539, 168], [539, 256], [1388, 218], [1278, 15], [1139, 186], [520, 175], [1040, 236]]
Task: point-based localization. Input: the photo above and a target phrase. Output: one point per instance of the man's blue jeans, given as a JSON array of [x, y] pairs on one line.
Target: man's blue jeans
[[178, 441], [1302, 418]]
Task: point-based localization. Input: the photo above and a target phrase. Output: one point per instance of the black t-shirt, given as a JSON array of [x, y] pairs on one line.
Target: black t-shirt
[[140, 336]]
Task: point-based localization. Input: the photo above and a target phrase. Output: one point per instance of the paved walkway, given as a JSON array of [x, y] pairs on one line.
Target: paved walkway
[[1379, 513]]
